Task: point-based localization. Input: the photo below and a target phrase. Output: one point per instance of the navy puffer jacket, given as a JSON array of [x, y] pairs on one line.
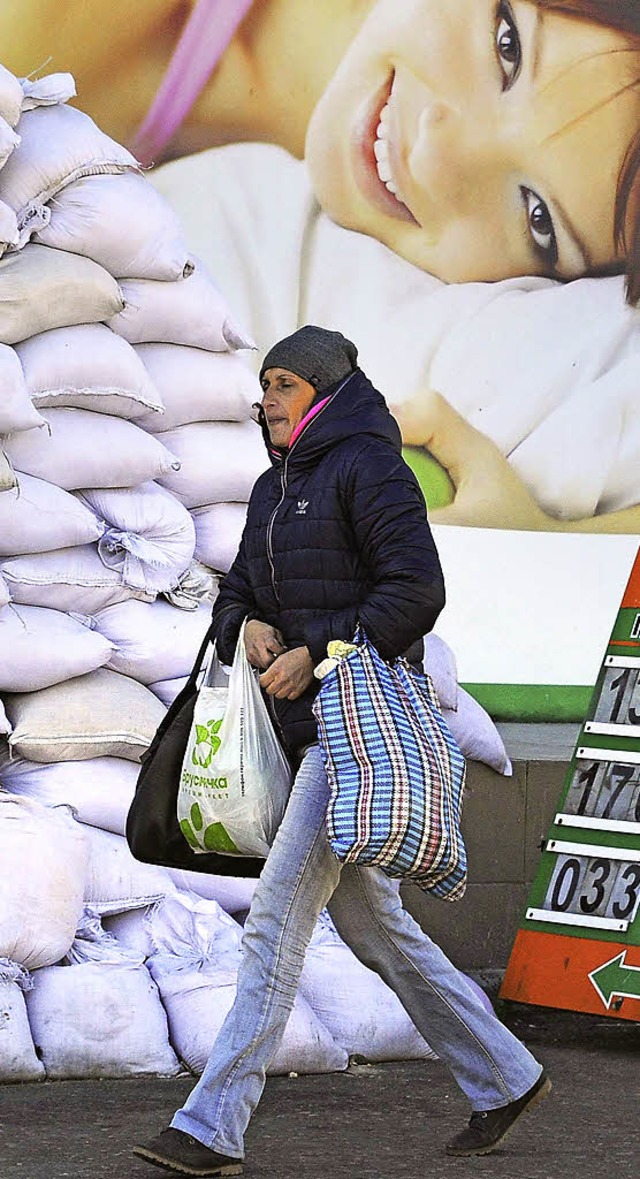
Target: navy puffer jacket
[[336, 535]]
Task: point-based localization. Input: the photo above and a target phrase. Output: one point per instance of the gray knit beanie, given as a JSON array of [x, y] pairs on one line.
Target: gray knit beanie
[[317, 355]]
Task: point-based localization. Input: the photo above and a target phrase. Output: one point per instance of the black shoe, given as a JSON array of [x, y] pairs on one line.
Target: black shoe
[[179, 1152], [488, 1129]]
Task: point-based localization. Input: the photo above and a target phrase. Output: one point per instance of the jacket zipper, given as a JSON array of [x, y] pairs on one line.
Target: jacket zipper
[[283, 483]]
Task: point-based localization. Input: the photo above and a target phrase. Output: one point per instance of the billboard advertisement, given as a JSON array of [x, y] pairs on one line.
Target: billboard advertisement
[[452, 186]]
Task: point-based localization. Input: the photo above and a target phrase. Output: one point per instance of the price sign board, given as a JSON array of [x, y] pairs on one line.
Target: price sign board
[[578, 947]]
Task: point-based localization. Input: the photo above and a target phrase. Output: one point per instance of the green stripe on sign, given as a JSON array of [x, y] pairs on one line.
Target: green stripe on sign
[[532, 702], [626, 626]]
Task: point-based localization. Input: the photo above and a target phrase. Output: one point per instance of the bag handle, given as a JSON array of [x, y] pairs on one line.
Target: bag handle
[[208, 639], [197, 666]]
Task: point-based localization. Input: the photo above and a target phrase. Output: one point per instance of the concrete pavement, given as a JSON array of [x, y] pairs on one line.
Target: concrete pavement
[[372, 1122]]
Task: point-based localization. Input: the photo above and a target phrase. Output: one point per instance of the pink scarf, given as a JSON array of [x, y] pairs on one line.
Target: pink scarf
[[306, 419]]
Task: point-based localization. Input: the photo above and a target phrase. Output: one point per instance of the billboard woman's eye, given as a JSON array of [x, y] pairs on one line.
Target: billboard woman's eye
[[508, 44], [541, 228]]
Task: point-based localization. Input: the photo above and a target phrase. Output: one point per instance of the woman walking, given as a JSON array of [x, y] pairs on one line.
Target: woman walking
[[336, 535]]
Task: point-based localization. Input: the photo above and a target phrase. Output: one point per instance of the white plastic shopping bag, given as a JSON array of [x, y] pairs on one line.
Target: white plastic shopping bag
[[235, 778]]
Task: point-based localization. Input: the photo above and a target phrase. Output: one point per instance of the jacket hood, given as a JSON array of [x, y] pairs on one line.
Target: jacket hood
[[355, 407]]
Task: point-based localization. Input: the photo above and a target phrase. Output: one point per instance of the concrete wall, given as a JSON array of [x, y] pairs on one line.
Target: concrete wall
[[504, 821]]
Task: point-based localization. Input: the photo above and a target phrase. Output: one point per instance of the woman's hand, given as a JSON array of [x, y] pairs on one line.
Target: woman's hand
[[262, 643], [488, 492], [289, 675]]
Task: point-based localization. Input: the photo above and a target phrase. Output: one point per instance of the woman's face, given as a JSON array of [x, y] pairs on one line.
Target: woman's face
[[479, 140], [286, 398]]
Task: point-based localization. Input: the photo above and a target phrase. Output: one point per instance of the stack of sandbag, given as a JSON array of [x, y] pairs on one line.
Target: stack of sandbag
[[43, 857], [119, 337], [56, 707], [194, 961], [113, 342], [97, 1013]]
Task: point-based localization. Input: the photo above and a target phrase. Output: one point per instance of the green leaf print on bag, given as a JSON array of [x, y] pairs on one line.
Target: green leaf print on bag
[[187, 828], [208, 743], [191, 838], [215, 837]]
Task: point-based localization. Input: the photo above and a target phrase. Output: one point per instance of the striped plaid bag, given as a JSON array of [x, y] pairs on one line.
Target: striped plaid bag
[[395, 772]]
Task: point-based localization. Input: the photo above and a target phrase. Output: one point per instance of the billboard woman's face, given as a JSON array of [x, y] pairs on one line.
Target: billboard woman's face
[[479, 140]]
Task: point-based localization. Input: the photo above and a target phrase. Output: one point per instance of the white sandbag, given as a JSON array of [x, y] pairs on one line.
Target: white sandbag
[[83, 449], [197, 1002], [47, 91], [101, 714], [99, 1014], [192, 312], [16, 409], [218, 532], [88, 367], [11, 96], [153, 641], [114, 881], [38, 517], [187, 930], [100, 790], [198, 386], [18, 1060], [232, 893], [100, 1020], [167, 690], [123, 223], [219, 461], [42, 289], [5, 726], [7, 474], [4, 592], [8, 228], [150, 538], [440, 664], [9, 141], [131, 929], [476, 734], [195, 965], [362, 1013], [44, 861], [73, 579], [58, 144], [40, 647]]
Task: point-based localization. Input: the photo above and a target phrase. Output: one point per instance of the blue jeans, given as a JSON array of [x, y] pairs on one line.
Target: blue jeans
[[302, 876]]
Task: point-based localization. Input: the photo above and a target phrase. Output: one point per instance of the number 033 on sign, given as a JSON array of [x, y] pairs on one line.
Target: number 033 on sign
[[579, 945]]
